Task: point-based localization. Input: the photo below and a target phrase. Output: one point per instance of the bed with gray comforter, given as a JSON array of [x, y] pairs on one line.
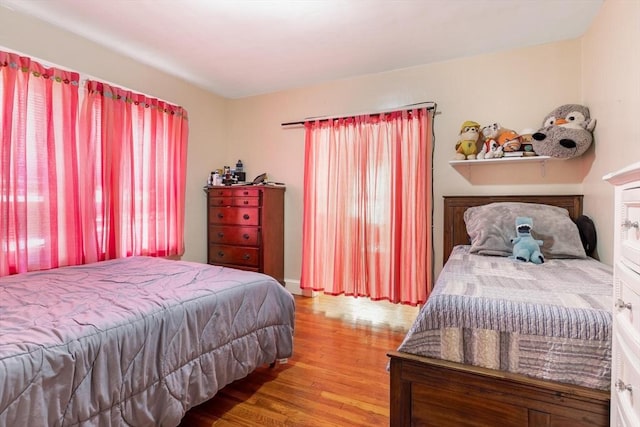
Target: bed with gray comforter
[[135, 341], [550, 321]]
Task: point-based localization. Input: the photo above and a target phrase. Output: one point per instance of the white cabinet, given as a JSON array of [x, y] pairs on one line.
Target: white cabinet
[[625, 369]]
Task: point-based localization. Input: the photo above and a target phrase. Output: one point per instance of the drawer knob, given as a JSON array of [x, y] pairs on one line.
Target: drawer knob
[[246, 202], [246, 216], [220, 254], [220, 234], [246, 257], [245, 236], [622, 387], [629, 224], [621, 305], [220, 215]]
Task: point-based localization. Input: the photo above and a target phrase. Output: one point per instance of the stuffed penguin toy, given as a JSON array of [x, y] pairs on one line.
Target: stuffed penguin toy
[[566, 132], [525, 247]]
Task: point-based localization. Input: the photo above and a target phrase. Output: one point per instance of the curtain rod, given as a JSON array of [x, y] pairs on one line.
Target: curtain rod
[[430, 106]]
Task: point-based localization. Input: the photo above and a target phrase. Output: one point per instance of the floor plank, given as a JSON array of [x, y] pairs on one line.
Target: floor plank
[[336, 377]]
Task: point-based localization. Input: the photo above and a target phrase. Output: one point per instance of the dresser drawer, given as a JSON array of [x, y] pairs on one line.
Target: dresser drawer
[[234, 192], [625, 416], [234, 201], [233, 215], [630, 254], [246, 236], [628, 299], [626, 383], [631, 215], [234, 255]]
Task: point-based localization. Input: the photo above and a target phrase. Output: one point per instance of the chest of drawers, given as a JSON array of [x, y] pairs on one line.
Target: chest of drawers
[[625, 369], [245, 228]]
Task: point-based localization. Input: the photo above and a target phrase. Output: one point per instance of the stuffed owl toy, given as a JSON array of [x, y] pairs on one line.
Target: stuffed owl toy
[[566, 132], [525, 247]]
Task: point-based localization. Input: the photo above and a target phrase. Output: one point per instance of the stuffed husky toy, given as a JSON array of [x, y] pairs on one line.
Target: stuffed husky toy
[[525, 247]]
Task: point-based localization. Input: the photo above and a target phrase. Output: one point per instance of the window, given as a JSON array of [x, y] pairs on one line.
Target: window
[[367, 214], [138, 188], [50, 213]]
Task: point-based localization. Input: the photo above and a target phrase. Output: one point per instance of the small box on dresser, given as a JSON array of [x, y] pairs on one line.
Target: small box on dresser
[[245, 228], [625, 364]]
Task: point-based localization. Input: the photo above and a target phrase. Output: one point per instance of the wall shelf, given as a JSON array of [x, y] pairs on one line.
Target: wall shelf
[[464, 166]]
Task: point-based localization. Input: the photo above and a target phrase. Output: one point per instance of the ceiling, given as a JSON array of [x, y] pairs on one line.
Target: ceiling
[[240, 48]]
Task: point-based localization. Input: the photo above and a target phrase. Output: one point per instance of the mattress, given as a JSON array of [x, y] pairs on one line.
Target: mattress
[[135, 341], [550, 321]]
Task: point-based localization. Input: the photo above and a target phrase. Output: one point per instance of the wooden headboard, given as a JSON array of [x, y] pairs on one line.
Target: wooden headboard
[[455, 231]]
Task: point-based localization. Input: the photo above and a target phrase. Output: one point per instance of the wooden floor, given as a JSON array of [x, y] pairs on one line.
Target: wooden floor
[[336, 377]]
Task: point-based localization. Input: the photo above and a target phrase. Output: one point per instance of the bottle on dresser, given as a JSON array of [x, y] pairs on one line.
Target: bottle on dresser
[[240, 173]]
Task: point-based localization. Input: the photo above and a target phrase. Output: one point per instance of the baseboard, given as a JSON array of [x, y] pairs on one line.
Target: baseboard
[[293, 286]]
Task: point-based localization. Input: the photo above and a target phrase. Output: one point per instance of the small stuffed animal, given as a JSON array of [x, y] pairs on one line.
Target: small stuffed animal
[[525, 247], [509, 141], [566, 132], [466, 147], [490, 150], [490, 147], [526, 138]]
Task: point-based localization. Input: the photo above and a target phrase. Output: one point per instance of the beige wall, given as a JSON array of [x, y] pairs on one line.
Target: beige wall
[[611, 89], [516, 88], [207, 115]]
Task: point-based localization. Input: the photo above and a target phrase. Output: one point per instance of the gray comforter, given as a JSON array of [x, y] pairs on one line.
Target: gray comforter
[[135, 341], [550, 321]]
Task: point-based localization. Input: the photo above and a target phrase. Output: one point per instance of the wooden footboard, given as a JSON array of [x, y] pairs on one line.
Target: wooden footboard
[[431, 392]]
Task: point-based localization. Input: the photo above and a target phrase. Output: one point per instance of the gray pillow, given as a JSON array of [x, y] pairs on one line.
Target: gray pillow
[[492, 226]]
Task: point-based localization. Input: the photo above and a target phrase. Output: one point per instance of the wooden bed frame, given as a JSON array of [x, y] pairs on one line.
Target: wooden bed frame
[[433, 392]]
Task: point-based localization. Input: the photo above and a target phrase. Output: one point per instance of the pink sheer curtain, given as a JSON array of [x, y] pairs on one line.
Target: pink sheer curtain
[[135, 170], [367, 206], [40, 224]]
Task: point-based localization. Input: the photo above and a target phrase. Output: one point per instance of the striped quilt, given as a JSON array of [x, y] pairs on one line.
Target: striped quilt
[[550, 321]]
